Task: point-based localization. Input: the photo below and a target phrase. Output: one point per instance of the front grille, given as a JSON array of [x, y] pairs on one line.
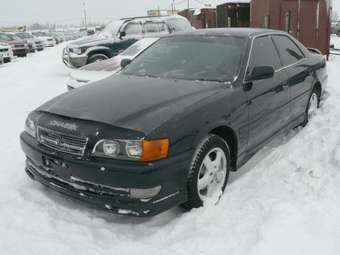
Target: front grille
[[19, 45], [62, 142]]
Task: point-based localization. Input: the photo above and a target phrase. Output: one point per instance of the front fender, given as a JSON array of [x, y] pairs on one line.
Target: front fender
[[96, 49]]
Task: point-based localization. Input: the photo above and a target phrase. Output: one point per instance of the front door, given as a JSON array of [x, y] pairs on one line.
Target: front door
[[268, 99]]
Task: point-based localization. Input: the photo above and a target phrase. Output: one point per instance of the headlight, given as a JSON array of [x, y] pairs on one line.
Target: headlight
[[132, 149], [77, 51], [30, 127]]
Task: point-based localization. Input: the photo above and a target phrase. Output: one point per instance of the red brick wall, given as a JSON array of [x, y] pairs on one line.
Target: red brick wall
[[303, 22]]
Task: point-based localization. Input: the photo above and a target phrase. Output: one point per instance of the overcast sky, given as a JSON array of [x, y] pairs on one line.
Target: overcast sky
[[21, 12]]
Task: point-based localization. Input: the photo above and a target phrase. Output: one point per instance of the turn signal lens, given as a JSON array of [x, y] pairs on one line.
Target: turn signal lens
[[155, 150]]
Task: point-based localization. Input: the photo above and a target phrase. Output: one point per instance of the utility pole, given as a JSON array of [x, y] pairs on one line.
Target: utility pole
[[85, 16], [188, 4], [173, 7]]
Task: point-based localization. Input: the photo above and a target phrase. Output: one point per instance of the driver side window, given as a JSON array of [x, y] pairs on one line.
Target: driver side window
[[133, 29], [263, 54]]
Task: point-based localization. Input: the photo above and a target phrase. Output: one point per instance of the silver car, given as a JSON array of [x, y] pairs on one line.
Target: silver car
[[100, 70]]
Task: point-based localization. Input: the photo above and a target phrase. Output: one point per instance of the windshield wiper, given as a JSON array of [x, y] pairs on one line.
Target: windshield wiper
[[211, 80]]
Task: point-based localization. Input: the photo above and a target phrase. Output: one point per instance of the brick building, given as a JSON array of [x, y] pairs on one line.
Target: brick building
[[200, 18]]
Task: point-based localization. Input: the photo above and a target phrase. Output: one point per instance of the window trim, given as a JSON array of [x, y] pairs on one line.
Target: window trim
[[252, 50], [135, 23], [252, 38], [301, 51]]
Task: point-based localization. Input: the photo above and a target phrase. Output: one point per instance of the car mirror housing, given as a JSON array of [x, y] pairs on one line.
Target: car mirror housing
[[125, 62], [262, 72]]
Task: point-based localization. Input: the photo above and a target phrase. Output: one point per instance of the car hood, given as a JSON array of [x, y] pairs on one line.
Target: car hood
[[137, 103], [109, 65], [82, 77], [91, 41]]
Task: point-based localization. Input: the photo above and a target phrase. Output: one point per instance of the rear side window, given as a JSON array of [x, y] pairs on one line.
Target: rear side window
[[289, 51], [263, 54]]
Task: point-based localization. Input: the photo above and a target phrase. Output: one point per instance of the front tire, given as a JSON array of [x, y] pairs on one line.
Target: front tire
[[97, 57], [312, 106], [209, 172]]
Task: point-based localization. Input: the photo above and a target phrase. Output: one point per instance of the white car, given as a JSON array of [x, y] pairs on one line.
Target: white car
[[6, 53], [103, 69], [45, 38]]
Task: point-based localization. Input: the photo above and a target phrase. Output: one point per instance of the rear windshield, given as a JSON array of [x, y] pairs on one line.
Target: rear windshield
[[191, 58]]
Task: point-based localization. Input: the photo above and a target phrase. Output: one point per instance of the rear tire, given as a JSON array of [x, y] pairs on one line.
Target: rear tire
[[312, 106], [215, 151], [96, 58]]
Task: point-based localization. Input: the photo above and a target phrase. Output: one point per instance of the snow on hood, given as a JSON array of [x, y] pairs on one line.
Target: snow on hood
[[89, 76]]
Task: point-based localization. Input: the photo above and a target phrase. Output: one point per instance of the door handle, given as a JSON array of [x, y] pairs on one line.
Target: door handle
[[247, 86], [285, 85]]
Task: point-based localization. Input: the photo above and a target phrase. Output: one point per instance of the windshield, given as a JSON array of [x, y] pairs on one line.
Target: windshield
[[111, 29], [11, 37], [191, 58], [4, 37], [24, 35], [138, 47]]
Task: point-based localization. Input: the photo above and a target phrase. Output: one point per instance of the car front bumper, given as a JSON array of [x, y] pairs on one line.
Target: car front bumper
[[107, 185], [72, 60], [18, 52]]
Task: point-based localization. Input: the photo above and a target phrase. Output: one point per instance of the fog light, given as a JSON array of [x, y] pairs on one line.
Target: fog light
[[145, 193]]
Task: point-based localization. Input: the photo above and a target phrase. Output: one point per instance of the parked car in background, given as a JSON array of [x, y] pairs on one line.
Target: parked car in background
[[169, 128], [33, 43], [100, 70], [47, 40], [19, 46], [58, 38], [118, 36], [27, 38], [6, 52]]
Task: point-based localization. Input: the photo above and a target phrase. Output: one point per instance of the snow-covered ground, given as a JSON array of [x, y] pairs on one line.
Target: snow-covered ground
[[335, 40], [286, 200]]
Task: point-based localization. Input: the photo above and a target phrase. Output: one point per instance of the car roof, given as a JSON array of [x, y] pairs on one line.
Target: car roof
[[154, 18], [239, 32]]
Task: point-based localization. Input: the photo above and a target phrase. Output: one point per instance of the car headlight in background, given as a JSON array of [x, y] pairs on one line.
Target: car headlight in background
[[30, 127], [142, 150]]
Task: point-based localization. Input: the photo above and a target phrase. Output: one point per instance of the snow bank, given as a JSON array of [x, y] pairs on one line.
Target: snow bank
[[284, 201]]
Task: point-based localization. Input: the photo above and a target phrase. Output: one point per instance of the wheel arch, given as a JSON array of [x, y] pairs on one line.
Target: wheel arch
[[318, 86], [99, 50], [230, 137]]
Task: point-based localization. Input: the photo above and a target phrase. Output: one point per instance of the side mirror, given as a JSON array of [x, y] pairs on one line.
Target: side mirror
[[122, 34], [125, 62], [262, 72]]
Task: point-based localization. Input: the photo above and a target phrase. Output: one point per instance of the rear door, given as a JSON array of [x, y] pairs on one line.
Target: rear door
[[299, 72], [268, 99]]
